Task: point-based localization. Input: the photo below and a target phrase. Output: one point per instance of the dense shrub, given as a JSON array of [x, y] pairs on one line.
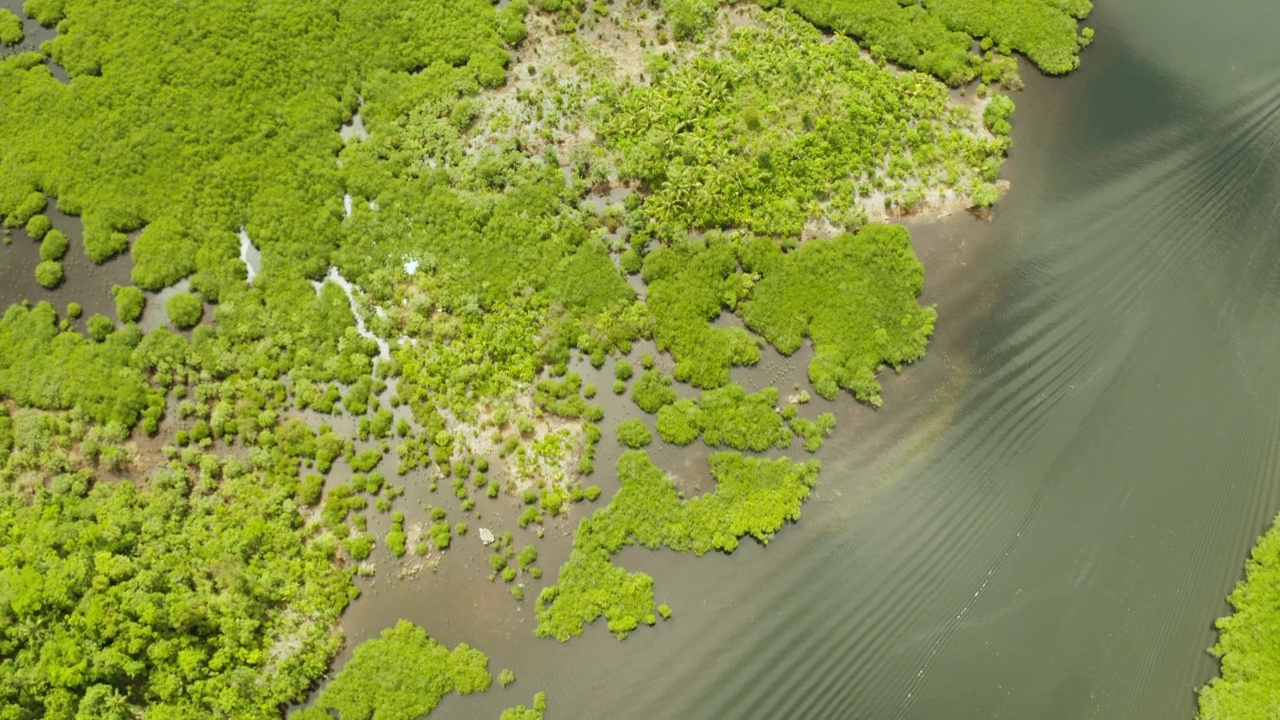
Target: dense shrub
[[520, 712], [99, 326], [811, 432], [187, 124], [396, 540], [130, 302], [401, 675], [310, 489], [80, 564], [688, 18], [1247, 641], [184, 310], [38, 226], [163, 254], [21, 211], [623, 370], [854, 296], [678, 422], [633, 433], [653, 391], [10, 27], [687, 290], [752, 497], [936, 38], [49, 273], [716, 149], [995, 116], [551, 501], [729, 416], [54, 246]]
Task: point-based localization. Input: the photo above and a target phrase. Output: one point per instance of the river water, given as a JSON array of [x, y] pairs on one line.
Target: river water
[[1045, 516]]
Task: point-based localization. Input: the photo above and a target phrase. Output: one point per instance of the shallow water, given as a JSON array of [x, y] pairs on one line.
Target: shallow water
[[83, 282], [1044, 518], [250, 255]]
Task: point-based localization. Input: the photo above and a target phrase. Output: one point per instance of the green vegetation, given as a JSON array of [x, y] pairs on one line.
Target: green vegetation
[[752, 497], [727, 416], [678, 422], [653, 391], [813, 432], [561, 397], [99, 327], [633, 433], [996, 115], [163, 254], [854, 296], [396, 538], [506, 677], [623, 370], [718, 150], [688, 287], [25, 205], [401, 675], [184, 310], [10, 27], [38, 226], [49, 273], [528, 556], [937, 38], [42, 367], [520, 712], [1248, 685], [135, 596], [54, 246], [209, 155]]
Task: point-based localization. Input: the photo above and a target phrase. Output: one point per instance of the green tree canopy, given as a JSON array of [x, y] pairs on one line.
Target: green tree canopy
[[130, 302], [184, 310], [10, 27], [854, 296], [49, 273], [401, 675], [633, 433], [54, 245], [1248, 685]]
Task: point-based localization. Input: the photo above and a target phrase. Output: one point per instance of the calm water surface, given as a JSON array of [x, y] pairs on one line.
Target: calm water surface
[[1043, 520]]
